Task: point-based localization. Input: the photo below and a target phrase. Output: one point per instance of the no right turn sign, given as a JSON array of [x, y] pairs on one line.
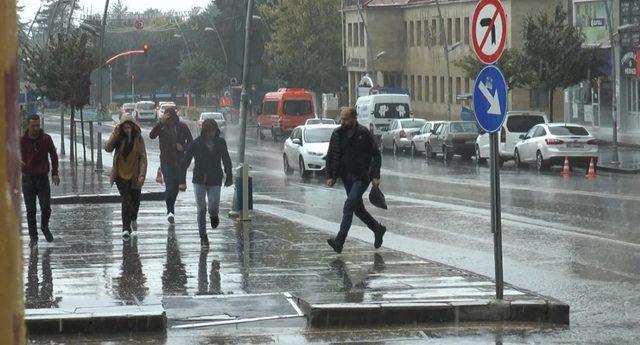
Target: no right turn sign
[[489, 30]]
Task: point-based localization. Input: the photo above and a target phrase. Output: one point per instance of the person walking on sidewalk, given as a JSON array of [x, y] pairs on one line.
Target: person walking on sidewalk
[[36, 148], [209, 151], [175, 138], [354, 157], [129, 169]]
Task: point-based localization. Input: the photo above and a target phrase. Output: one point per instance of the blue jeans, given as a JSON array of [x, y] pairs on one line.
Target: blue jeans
[[354, 205], [207, 198], [170, 176]]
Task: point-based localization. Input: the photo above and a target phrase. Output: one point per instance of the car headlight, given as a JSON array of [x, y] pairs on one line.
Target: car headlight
[[318, 154]]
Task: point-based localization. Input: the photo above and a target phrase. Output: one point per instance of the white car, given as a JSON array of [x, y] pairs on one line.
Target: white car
[[399, 135], [419, 141], [320, 121], [162, 106], [548, 144], [145, 111], [218, 117], [306, 149], [516, 124]]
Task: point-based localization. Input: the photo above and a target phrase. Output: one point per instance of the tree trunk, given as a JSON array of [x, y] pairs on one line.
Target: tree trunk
[[551, 91], [72, 153], [62, 111]]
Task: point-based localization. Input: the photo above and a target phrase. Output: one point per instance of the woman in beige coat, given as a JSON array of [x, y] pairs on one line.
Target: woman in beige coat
[[129, 169]]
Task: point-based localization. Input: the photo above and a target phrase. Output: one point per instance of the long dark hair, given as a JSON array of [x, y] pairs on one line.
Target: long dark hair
[[210, 125]]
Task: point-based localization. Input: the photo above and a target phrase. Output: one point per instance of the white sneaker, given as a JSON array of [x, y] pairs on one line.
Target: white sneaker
[[171, 218]]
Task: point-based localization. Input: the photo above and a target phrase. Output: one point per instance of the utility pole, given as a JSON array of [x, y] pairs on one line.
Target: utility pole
[[445, 46], [244, 99], [100, 106]]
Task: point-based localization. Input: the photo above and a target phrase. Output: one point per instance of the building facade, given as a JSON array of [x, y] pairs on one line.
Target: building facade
[[403, 44], [591, 103]]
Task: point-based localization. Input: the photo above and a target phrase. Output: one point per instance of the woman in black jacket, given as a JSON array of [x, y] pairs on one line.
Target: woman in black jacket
[[209, 151]]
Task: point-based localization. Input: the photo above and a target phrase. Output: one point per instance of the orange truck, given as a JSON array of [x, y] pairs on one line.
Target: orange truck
[[284, 110]]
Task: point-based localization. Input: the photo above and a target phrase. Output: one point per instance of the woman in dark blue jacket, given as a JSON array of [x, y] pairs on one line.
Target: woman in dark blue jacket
[[210, 153]]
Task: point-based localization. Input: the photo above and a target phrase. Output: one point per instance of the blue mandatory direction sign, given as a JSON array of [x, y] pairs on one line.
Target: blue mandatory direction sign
[[490, 99]]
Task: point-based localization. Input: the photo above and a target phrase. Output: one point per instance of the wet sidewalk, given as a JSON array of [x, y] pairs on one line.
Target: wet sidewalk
[[265, 270], [629, 158]]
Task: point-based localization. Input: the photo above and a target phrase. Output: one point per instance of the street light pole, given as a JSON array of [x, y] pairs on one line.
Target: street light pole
[[615, 85], [101, 63], [244, 99], [445, 47]]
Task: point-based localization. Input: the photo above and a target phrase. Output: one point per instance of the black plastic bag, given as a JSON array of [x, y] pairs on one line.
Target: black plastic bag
[[376, 198]]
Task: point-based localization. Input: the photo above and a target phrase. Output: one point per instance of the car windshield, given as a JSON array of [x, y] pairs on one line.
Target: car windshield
[[297, 108], [463, 127], [146, 106], [165, 106], [568, 130], [318, 135], [392, 110], [412, 124], [214, 116], [523, 123], [128, 106]]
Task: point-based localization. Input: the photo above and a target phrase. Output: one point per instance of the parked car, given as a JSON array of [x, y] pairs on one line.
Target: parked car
[[377, 112], [306, 148], [284, 110], [453, 138], [319, 121], [419, 141], [398, 137], [516, 124], [127, 109], [549, 144], [218, 117], [145, 111]]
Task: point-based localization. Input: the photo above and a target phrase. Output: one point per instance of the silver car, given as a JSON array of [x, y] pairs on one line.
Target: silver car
[[399, 135], [549, 144], [419, 141]]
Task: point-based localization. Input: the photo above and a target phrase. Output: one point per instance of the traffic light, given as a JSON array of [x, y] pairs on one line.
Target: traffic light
[[133, 76], [145, 47]]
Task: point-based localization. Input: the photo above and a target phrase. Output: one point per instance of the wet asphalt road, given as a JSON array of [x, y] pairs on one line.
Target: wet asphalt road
[[572, 238]]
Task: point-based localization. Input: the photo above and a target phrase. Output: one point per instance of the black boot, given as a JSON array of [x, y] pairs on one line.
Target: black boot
[[215, 221]]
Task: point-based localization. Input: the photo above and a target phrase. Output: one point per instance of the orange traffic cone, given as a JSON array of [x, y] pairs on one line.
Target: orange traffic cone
[[592, 169], [565, 169]]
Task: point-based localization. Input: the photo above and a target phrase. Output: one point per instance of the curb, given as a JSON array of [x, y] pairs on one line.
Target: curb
[[114, 319], [618, 170], [101, 198], [370, 314]]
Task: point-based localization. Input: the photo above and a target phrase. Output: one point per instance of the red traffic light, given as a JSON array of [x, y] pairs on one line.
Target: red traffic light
[[145, 47], [133, 77]]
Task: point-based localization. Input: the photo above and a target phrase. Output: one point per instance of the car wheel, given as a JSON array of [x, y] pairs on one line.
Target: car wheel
[[479, 158], [287, 168], [303, 170], [448, 155], [516, 159], [429, 151], [413, 150], [395, 149], [540, 163]]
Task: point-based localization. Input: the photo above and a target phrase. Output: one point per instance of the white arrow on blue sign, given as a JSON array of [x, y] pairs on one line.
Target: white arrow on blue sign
[[490, 99]]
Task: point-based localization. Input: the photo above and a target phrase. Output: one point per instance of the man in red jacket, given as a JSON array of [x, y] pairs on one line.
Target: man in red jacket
[[36, 148]]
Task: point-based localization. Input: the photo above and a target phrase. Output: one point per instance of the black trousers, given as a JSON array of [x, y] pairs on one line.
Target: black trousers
[[37, 187], [130, 202]]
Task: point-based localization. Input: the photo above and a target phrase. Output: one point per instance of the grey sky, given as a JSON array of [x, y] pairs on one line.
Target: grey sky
[[97, 6]]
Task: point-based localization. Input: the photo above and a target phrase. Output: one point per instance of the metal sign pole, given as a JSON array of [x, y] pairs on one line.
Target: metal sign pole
[[496, 215]]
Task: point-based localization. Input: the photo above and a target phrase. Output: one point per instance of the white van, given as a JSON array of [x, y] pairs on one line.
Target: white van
[[376, 112]]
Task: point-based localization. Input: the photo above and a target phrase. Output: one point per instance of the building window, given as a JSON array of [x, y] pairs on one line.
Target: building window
[[356, 42], [413, 88], [458, 87], [350, 35], [404, 82], [419, 31], [412, 33], [442, 90], [426, 89], [466, 85], [457, 30], [406, 33], [434, 31], [441, 34], [449, 31], [434, 89], [466, 30], [419, 88], [362, 41], [450, 91]]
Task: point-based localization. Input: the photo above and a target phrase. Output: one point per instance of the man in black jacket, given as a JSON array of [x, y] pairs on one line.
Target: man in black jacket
[[354, 157], [209, 151]]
